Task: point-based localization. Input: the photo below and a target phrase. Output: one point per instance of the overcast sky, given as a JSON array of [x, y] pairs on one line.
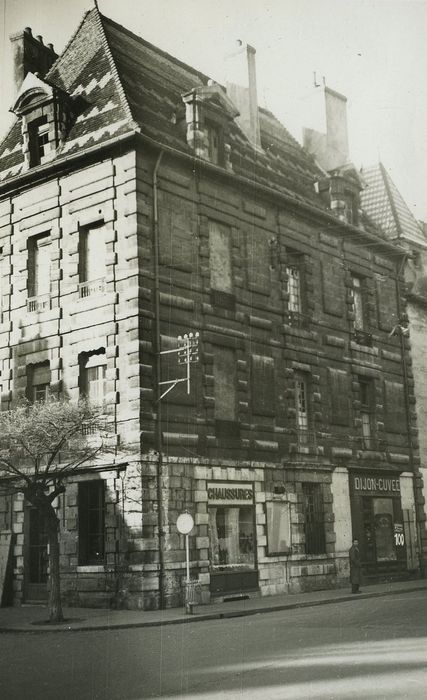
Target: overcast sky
[[373, 51]]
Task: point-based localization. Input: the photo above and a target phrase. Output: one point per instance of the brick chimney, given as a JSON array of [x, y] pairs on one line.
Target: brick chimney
[[330, 149], [242, 90], [30, 55]]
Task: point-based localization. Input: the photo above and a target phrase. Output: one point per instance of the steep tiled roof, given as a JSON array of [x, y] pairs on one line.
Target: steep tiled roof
[[124, 82], [383, 202]]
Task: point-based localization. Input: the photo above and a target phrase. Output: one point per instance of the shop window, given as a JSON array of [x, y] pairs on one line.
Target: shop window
[[278, 527], [232, 537], [38, 382], [367, 412], [91, 505], [314, 524], [93, 381], [92, 261], [38, 273], [38, 135], [220, 265]]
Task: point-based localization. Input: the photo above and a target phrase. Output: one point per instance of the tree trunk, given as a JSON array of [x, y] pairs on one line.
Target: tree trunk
[[55, 606]]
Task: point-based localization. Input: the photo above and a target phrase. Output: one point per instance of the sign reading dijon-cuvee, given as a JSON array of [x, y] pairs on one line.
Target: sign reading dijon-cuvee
[[373, 484]]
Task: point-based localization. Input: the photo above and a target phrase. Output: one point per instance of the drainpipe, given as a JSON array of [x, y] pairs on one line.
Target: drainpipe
[[158, 439]]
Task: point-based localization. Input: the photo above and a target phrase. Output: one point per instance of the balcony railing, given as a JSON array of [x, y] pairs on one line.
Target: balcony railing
[[306, 438], [39, 303], [295, 319], [362, 338], [91, 288]]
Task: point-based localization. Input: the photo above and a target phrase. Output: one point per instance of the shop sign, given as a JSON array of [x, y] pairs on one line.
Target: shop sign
[[230, 494], [376, 485], [399, 536]]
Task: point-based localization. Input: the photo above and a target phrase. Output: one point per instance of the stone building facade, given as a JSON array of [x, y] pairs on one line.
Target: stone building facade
[[140, 202]]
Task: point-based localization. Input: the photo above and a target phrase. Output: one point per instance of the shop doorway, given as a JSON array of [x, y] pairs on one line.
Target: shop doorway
[[383, 541], [36, 556]]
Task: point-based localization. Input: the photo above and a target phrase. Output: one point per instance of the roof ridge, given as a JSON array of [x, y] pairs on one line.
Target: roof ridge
[[114, 70], [68, 44], [158, 50]]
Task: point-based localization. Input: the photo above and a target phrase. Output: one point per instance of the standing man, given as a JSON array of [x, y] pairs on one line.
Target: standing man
[[355, 566]]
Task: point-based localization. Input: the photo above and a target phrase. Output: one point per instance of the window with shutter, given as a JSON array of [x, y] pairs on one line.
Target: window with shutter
[[339, 396], [367, 412], [258, 260], [395, 408], [314, 519], [225, 384], [91, 509], [263, 386], [220, 265], [92, 261], [93, 382], [38, 273], [177, 229], [38, 382]]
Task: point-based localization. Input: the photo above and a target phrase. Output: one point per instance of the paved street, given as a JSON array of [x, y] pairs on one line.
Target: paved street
[[367, 648]]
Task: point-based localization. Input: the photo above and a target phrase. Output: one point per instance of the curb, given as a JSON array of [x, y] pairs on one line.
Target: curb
[[204, 617]]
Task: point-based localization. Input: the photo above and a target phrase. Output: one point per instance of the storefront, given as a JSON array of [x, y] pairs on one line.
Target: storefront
[[378, 522], [232, 537]]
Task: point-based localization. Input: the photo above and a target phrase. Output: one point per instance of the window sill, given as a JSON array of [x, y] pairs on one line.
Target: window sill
[[91, 569]]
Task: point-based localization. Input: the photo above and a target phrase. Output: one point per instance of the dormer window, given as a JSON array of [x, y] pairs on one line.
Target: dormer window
[[208, 113], [46, 113], [38, 135], [215, 147]]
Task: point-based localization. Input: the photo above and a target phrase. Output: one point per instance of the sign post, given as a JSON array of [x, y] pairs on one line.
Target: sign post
[[185, 524]]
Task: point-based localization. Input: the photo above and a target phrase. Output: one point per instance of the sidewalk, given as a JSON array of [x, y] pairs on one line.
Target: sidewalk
[[32, 618]]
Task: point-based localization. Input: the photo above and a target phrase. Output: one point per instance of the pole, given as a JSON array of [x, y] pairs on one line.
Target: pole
[[187, 557]]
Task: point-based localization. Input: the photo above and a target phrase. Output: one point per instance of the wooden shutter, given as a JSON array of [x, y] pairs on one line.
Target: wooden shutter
[[387, 303], [339, 393], [177, 228], [225, 384], [258, 261], [220, 257], [395, 408], [333, 287], [263, 386]]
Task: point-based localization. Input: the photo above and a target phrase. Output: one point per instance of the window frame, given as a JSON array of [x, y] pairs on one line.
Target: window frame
[[90, 285], [41, 386], [314, 518], [85, 530], [38, 137], [88, 361], [367, 412]]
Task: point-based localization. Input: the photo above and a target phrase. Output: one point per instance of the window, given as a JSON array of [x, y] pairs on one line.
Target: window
[[357, 302], [232, 537], [294, 288], [314, 524], [38, 135], [302, 409], [263, 385], [214, 143], [366, 396], [224, 369], [38, 273], [38, 382], [220, 265], [93, 375], [278, 527], [92, 250], [91, 500]]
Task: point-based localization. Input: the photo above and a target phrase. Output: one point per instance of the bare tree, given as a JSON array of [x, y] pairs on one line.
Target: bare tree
[[41, 444]]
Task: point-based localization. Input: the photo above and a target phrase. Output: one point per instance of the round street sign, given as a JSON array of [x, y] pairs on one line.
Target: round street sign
[[185, 523]]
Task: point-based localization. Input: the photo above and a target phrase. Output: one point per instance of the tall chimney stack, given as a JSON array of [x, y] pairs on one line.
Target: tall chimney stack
[[30, 55], [331, 149], [242, 90]]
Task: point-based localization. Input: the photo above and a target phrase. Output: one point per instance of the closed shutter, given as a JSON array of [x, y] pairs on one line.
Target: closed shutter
[[395, 408], [339, 393], [333, 287], [387, 303], [258, 262], [177, 229], [263, 386]]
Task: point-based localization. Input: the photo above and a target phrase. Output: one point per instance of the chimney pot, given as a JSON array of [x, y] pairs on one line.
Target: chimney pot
[[50, 46], [39, 38], [30, 55], [27, 30]]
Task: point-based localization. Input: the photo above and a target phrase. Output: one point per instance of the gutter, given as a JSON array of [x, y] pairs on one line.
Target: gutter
[[16, 183]]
